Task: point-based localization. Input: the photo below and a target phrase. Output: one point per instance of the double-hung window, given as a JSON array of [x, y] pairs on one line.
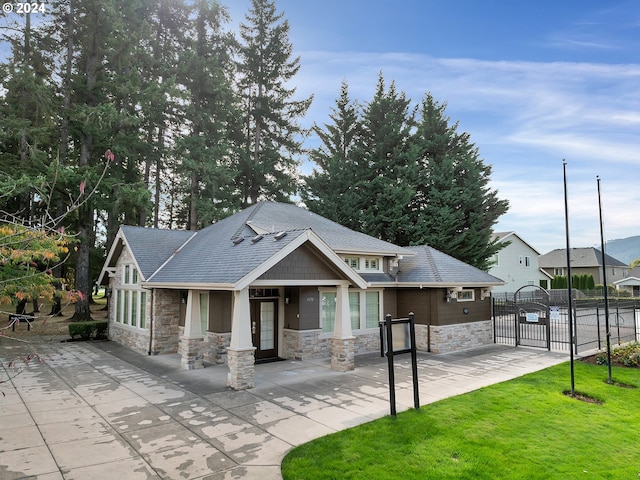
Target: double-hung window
[[365, 307], [130, 299]]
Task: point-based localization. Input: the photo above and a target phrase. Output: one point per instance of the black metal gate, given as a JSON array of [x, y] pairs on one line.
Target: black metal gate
[[534, 319]]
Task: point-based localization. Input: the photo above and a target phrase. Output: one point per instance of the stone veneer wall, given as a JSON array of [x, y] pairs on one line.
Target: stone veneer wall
[[454, 338], [166, 318], [131, 337], [367, 343], [214, 346], [306, 344]]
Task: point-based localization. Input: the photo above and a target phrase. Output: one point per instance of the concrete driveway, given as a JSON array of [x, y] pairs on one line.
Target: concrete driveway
[[95, 410]]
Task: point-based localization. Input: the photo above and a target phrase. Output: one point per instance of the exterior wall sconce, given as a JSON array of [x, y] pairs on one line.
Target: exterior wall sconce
[[452, 293]]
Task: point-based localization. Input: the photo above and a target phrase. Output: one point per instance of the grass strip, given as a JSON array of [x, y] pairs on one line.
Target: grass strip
[[525, 428]]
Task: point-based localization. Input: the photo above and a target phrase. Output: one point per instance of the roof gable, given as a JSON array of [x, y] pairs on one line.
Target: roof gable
[[150, 247], [509, 237]]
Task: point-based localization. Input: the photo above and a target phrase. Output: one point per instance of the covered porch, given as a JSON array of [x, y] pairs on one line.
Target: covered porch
[[260, 330]]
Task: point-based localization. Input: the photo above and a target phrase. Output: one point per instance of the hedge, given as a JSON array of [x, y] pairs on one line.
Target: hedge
[[87, 330]]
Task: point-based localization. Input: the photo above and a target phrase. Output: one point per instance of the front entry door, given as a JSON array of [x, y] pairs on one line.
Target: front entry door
[[264, 328]]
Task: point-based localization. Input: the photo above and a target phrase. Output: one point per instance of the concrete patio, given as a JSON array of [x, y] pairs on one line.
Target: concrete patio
[[95, 410]]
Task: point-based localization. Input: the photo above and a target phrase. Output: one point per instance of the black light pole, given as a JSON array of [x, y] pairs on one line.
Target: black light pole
[[606, 289], [569, 286]]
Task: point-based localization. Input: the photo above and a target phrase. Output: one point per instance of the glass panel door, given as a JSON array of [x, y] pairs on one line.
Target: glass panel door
[[264, 328]]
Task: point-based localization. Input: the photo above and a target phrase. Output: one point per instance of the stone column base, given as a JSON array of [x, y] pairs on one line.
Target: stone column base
[[242, 371], [191, 349], [343, 354]]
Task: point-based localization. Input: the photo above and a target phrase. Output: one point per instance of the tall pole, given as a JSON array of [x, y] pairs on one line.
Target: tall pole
[[606, 289], [569, 286]]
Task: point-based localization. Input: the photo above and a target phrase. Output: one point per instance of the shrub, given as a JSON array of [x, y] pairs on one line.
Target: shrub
[[87, 330], [627, 355]]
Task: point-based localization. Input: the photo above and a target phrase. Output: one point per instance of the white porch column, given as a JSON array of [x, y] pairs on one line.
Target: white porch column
[[342, 327], [240, 353], [192, 323], [192, 340], [343, 342]]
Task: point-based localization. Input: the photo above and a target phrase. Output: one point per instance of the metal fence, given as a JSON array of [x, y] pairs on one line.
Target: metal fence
[[553, 333]]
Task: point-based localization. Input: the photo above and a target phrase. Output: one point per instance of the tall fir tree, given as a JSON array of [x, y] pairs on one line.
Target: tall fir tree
[[408, 177], [330, 189], [382, 159], [453, 209], [28, 108], [168, 24], [209, 150], [272, 134]]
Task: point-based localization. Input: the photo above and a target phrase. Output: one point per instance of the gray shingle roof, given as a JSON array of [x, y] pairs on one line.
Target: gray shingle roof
[[227, 251], [580, 257], [431, 266], [152, 246], [274, 217], [211, 257]]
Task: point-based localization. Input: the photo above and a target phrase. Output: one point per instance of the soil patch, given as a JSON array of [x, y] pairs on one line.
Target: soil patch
[[45, 325], [583, 397]]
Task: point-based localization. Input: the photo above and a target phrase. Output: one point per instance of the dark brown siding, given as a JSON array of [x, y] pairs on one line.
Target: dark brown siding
[[309, 308], [431, 308], [390, 302], [417, 301], [453, 312], [220, 307], [302, 264], [292, 309]]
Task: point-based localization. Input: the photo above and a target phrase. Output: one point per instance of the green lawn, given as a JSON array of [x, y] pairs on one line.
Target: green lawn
[[522, 429]]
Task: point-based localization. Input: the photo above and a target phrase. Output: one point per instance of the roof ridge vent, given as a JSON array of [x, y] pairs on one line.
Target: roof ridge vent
[[257, 238], [280, 235]]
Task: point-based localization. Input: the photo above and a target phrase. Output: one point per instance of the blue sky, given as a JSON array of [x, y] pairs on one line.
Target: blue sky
[[533, 83]]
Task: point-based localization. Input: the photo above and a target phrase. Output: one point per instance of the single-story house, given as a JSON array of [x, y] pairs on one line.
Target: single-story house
[[517, 264], [631, 283], [584, 261], [276, 281]]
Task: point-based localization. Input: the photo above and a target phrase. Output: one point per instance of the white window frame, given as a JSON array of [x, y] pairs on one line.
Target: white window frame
[[527, 261], [466, 295], [363, 264], [204, 312], [128, 311], [362, 303], [353, 262]]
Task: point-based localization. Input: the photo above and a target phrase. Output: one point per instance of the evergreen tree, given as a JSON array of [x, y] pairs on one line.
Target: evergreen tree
[[272, 135], [209, 150], [383, 165], [27, 108], [329, 191], [404, 180], [453, 210], [163, 98]]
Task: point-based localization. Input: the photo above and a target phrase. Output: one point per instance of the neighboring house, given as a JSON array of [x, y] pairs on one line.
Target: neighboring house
[[584, 261], [517, 264], [631, 282], [277, 281]]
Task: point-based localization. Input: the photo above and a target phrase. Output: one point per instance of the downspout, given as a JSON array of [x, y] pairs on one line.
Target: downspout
[[151, 319]]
